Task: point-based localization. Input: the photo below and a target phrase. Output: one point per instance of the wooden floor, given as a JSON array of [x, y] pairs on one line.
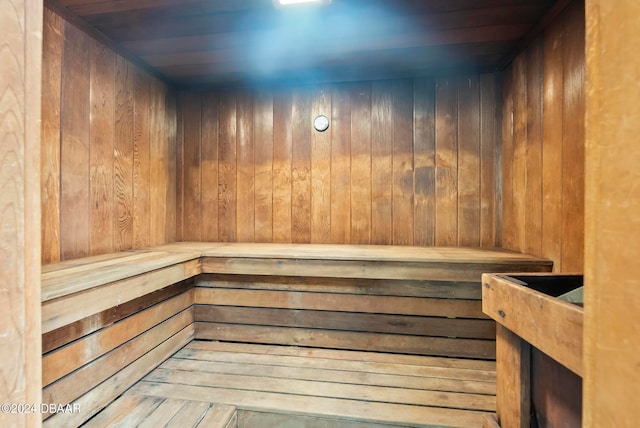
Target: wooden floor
[[271, 385]]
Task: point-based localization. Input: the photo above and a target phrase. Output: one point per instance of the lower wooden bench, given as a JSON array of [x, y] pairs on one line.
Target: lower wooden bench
[[109, 320], [275, 386]]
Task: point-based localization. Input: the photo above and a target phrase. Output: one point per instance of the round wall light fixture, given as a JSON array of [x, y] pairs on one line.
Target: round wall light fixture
[[321, 123]]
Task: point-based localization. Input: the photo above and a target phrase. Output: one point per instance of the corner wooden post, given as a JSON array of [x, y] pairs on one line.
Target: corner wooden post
[[513, 371]]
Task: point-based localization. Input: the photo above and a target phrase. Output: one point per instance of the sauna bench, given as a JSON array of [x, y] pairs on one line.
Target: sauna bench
[[109, 320]]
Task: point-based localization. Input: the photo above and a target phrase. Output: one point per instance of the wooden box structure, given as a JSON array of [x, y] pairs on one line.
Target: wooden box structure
[[530, 315]]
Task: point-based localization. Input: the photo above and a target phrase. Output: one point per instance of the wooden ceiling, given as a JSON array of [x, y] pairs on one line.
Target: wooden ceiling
[[194, 42]]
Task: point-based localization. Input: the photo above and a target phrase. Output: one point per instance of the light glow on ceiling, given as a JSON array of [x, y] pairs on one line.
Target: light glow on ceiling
[[298, 2]]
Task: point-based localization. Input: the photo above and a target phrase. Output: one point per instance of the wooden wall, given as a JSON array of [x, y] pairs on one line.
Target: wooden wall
[[108, 149], [543, 145], [612, 271], [20, 66], [405, 162]]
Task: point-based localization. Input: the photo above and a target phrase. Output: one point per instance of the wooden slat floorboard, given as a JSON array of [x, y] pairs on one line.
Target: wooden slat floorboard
[[322, 387]]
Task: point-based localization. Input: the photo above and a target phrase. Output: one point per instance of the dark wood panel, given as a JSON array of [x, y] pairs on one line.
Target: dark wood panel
[[301, 167], [341, 164], [553, 90], [74, 147], [227, 158], [446, 162], [469, 191], [543, 185], [282, 155], [573, 143], [245, 168], [490, 161], [141, 160], [533, 205], [209, 167], [402, 165], [192, 167], [101, 147], [372, 177], [53, 36], [424, 147], [361, 163], [123, 163], [109, 159], [321, 169], [381, 162], [263, 152]]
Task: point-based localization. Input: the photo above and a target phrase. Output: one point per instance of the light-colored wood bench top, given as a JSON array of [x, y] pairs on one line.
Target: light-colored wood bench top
[[350, 261], [379, 253], [73, 276]]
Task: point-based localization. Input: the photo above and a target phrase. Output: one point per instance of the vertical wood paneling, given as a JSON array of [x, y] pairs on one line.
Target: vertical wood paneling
[[141, 160], [181, 101], [370, 178], [544, 207], [227, 165], [101, 147], [489, 162], [74, 150], [301, 167], [341, 165], [424, 152], [123, 154], [381, 162], [192, 179], [53, 37], [553, 89], [321, 169], [263, 153], [158, 172], [508, 222], [168, 141], [403, 163], [533, 204], [282, 152], [209, 165], [109, 156], [573, 139], [469, 162], [519, 160], [446, 163], [20, 113], [245, 201], [361, 163]]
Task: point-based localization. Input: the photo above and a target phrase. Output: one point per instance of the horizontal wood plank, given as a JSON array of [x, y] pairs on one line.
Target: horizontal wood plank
[[104, 393], [346, 321], [340, 302], [70, 332], [287, 403], [312, 355], [467, 348], [316, 389], [68, 309], [69, 358], [377, 287], [74, 385]]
